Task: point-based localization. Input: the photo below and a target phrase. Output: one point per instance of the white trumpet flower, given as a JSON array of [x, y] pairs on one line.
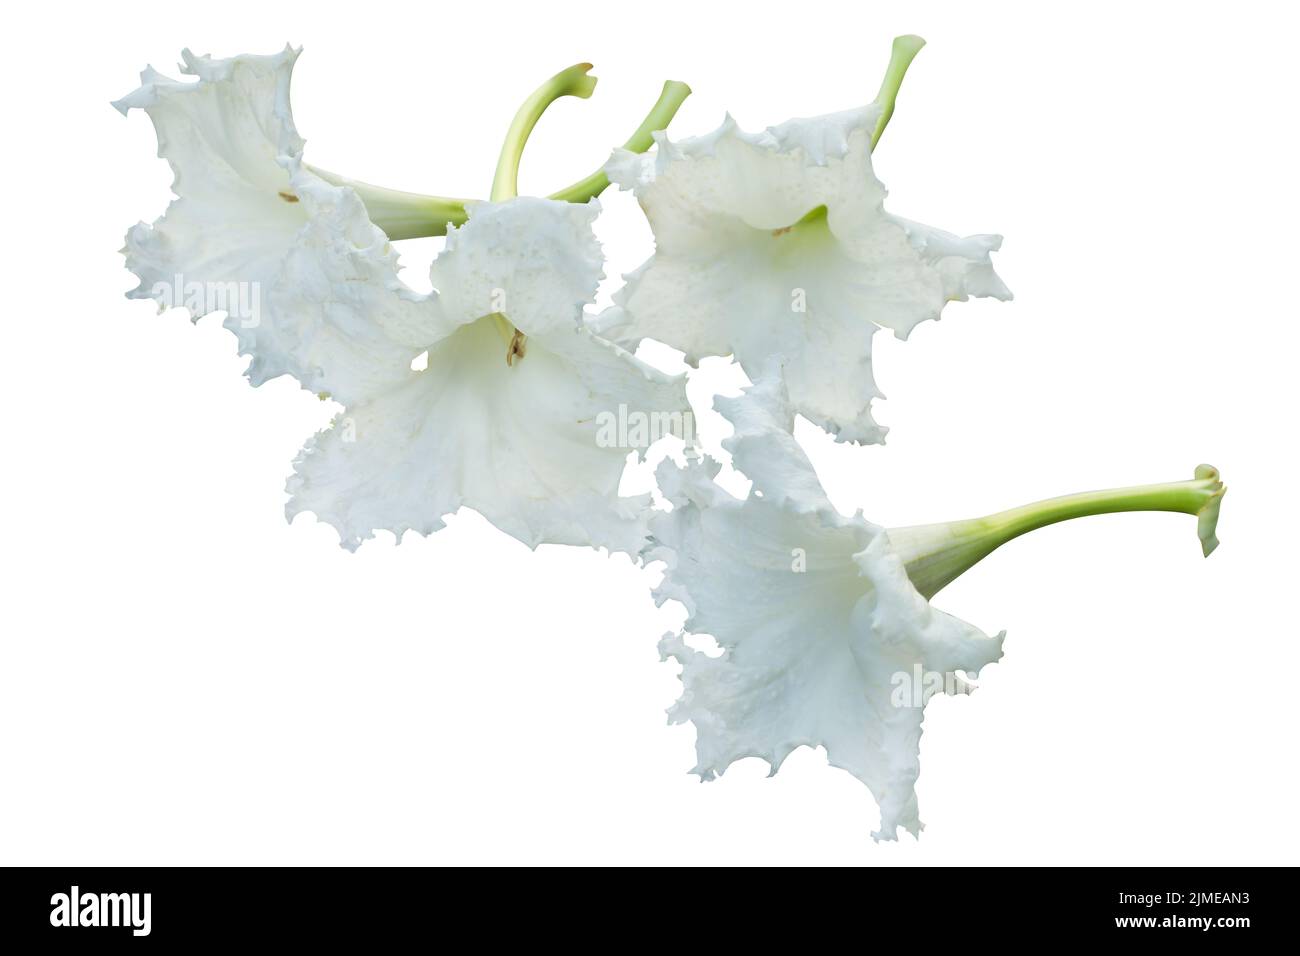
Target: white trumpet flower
[[251, 222], [777, 245], [813, 610], [505, 416], [828, 637]]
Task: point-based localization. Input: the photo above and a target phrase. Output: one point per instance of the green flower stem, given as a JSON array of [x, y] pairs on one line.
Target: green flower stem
[[403, 215], [571, 82], [669, 102], [407, 215], [900, 58], [935, 555]]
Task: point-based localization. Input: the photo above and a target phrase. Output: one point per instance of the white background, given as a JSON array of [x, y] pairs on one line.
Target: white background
[[184, 678]]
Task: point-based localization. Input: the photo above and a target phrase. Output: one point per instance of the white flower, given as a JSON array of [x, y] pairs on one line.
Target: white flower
[[515, 440], [518, 440], [776, 245], [250, 222], [828, 637], [824, 639]]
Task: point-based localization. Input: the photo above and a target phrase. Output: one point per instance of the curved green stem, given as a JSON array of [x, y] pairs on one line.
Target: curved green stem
[[935, 555], [403, 215], [661, 114], [407, 215], [571, 82], [904, 51]]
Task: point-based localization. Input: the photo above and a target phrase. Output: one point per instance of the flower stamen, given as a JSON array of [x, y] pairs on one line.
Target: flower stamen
[[517, 346]]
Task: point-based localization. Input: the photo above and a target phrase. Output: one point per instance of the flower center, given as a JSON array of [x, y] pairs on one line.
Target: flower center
[[516, 341], [810, 219]]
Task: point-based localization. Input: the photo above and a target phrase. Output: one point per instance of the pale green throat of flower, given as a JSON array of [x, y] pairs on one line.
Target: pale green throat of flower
[[936, 554]]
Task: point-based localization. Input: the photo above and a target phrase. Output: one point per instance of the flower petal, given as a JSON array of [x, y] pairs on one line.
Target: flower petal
[[764, 448], [535, 260]]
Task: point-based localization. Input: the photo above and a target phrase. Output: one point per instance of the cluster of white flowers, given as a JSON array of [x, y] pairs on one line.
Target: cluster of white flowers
[[488, 392]]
